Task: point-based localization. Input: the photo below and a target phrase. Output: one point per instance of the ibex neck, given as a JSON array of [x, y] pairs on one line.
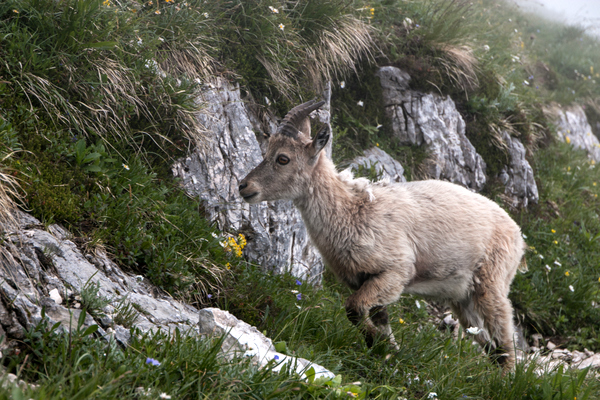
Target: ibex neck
[[327, 200]]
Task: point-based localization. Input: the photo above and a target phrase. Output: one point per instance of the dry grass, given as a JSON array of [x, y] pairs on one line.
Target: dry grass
[[338, 51], [10, 195], [460, 65]]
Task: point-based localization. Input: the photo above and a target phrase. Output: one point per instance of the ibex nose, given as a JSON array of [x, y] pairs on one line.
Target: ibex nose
[[243, 186]]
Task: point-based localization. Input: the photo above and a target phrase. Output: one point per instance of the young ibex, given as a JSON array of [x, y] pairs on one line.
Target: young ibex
[[430, 238]]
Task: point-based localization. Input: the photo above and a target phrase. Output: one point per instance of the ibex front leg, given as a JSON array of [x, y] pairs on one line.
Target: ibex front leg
[[366, 308]]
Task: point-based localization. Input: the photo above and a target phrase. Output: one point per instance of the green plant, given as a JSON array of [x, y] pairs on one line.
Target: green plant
[[126, 313], [91, 299]]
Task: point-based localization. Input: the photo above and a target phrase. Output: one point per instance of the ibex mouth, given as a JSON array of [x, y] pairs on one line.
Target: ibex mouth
[[248, 198]]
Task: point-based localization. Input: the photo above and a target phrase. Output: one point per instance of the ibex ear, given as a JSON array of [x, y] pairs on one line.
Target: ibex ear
[[319, 142]]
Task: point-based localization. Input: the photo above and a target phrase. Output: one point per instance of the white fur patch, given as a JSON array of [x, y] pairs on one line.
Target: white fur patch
[[357, 184]]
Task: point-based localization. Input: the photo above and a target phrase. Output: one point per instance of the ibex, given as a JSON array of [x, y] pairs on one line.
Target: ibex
[[430, 238]]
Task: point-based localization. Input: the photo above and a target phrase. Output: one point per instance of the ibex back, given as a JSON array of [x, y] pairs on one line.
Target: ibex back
[[430, 238]]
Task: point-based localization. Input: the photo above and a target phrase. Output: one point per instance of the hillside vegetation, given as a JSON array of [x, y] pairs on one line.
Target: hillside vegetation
[[97, 101]]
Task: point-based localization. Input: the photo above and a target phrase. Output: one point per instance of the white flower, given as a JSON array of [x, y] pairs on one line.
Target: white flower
[[360, 103], [342, 84], [267, 101], [541, 256], [571, 288], [281, 26], [378, 126], [139, 41], [432, 395], [486, 47], [205, 15], [473, 330], [161, 39], [524, 236], [548, 268], [557, 263], [273, 10], [126, 167], [164, 396], [418, 304]]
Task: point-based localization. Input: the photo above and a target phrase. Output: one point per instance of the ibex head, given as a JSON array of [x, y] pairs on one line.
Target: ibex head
[[291, 155]]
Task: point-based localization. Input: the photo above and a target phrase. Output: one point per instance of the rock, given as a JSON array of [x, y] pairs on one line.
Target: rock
[[517, 177], [54, 295], [551, 346], [277, 238], [536, 337], [572, 127], [592, 362], [385, 166], [432, 121], [31, 258], [244, 340]]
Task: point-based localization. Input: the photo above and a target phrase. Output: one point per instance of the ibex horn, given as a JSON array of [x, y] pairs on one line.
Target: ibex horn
[[290, 124]]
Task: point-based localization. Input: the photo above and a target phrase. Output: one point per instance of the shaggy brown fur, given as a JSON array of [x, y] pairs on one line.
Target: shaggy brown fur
[[430, 238]]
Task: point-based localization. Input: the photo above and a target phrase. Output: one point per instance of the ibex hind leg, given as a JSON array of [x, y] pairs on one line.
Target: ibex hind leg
[[493, 316]]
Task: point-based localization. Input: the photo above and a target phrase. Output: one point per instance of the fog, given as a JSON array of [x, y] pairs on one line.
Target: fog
[[585, 13]]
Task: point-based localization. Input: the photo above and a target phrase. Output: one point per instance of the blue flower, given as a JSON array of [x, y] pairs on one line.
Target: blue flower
[[209, 296], [299, 296], [298, 282], [152, 361], [276, 357]]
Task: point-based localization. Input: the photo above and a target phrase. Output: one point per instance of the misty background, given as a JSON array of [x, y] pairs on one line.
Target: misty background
[[584, 13]]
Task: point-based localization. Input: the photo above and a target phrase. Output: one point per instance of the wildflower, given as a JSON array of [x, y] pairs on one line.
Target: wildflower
[[571, 288], [126, 167], [16, 11], [432, 395], [168, 1], [598, 279], [373, 13], [549, 268], [402, 321], [299, 296], [106, 3], [486, 47], [342, 84], [567, 273], [377, 144], [557, 263], [228, 266], [157, 12], [205, 15], [351, 394], [281, 26], [298, 282], [360, 103], [152, 361], [473, 330], [525, 237], [209, 296], [553, 231], [139, 42], [567, 139], [273, 10], [418, 304], [161, 39], [526, 83], [556, 242], [164, 395], [594, 184], [530, 77], [541, 256], [276, 357], [378, 126]]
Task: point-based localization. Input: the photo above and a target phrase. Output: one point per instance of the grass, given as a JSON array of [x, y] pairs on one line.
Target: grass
[[97, 100]]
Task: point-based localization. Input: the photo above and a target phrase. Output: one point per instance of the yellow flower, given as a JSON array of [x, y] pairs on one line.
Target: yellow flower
[[157, 12], [402, 321], [555, 242], [377, 144], [16, 11], [553, 231], [567, 139], [372, 11], [598, 279], [228, 266], [106, 3], [594, 183], [567, 273]]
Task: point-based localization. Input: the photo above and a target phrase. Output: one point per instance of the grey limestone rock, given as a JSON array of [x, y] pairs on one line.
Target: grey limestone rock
[[517, 177], [385, 166], [432, 121], [277, 238], [244, 340], [573, 127]]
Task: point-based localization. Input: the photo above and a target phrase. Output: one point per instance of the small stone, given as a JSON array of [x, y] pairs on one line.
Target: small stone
[[55, 295], [536, 337], [550, 345]]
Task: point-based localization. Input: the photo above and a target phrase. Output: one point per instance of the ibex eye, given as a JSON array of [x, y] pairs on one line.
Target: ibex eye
[[283, 160]]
